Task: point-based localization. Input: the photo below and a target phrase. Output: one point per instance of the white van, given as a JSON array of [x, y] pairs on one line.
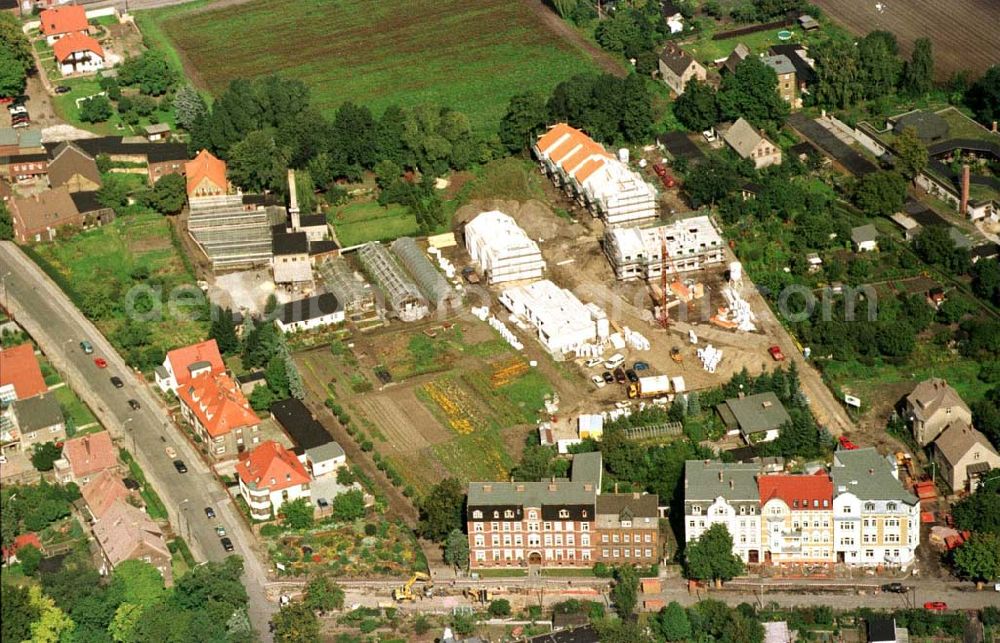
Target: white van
[[614, 361]]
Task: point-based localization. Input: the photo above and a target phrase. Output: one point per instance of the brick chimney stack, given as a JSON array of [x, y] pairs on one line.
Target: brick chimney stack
[[293, 201], [963, 208]]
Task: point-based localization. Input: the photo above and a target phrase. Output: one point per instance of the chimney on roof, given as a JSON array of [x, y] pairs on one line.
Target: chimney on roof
[[994, 127], [720, 476], [871, 472], [635, 495], [732, 484], [487, 488], [552, 486], [293, 201], [616, 487], [963, 207], [588, 487]]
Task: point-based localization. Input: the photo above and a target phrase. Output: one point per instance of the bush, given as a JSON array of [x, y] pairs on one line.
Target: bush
[[269, 531], [95, 110], [500, 607], [370, 529], [603, 571], [368, 625]]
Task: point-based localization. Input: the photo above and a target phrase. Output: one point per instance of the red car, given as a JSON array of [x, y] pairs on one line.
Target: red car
[[847, 444], [776, 353], [101, 362], [660, 170], [936, 606]]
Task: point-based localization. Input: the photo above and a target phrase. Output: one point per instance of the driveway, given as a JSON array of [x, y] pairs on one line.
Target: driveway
[[54, 322]]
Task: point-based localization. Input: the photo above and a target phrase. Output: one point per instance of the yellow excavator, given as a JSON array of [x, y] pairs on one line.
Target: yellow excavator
[[482, 596], [405, 592]]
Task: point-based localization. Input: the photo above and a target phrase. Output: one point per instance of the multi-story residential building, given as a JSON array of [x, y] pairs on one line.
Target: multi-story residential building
[[38, 419], [628, 528], [677, 68], [726, 494], [182, 364], [86, 456], [270, 476], [964, 456], [932, 406], [876, 521], [127, 533], [691, 243], [563, 323], [503, 251], [214, 405], [787, 83], [798, 517], [20, 375], [548, 524], [751, 144]]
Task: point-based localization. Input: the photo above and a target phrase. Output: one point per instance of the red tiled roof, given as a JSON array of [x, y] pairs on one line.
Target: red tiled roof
[[273, 467], [797, 491], [63, 20], [181, 359], [90, 454], [205, 166], [19, 367], [102, 491], [74, 42], [23, 540], [218, 403]]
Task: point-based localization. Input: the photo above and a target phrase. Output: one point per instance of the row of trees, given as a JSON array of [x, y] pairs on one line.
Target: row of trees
[[15, 56], [847, 73], [751, 93]]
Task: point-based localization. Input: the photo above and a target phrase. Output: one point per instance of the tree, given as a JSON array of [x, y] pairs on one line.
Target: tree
[[752, 93], [625, 592], [276, 375], [125, 623], [526, 116], [979, 557], [698, 107], [13, 74], [256, 163], [150, 71], [296, 623], [441, 510], [168, 194], [18, 612], [44, 456], [880, 193], [536, 463], [711, 556], [30, 556], [299, 513], [918, 73], [911, 154], [188, 106], [52, 625], [14, 41], [499, 608], [936, 246], [349, 506], [95, 110], [223, 331], [114, 191], [839, 77], [980, 512], [879, 62], [672, 623], [710, 181], [212, 582], [986, 279], [137, 582], [983, 97], [456, 549], [295, 386], [6, 223], [322, 593]]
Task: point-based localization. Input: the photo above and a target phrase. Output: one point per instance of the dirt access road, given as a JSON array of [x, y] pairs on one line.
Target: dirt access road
[[564, 30]]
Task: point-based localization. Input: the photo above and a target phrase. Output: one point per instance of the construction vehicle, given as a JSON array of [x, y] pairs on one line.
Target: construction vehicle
[[675, 354], [405, 592], [481, 596], [649, 386]]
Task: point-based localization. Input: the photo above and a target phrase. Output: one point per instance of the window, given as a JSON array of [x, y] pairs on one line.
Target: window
[[626, 538], [627, 553], [480, 541], [604, 552], [496, 515], [508, 514], [616, 553], [869, 506], [477, 514], [532, 515], [495, 526], [585, 539], [649, 553], [614, 538], [696, 510], [548, 526], [478, 527], [604, 537], [584, 526], [648, 538], [891, 506], [564, 513]]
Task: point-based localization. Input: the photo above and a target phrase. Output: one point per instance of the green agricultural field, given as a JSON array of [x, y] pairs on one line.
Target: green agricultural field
[[472, 56], [363, 221]]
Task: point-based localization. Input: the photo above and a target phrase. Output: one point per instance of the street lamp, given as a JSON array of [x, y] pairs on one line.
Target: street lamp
[[128, 430]]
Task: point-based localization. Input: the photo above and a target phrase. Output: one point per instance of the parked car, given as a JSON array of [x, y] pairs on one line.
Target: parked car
[[598, 381], [17, 108], [171, 453], [220, 531], [846, 444], [607, 377], [895, 588], [101, 362], [209, 512], [632, 377], [86, 347], [592, 362], [180, 466], [18, 124], [62, 89], [640, 366], [776, 353], [134, 405], [614, 361], [936, 606], [227, 544], [620, 376], [117, 381]]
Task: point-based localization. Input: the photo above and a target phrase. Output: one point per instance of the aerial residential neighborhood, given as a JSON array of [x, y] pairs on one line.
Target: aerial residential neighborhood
[[560, 321]]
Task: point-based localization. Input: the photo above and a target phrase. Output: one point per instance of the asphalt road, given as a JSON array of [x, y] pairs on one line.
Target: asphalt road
[[58, 327]]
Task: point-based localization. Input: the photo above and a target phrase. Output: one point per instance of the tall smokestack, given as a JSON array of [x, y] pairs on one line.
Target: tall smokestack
[[963, 208], [293, 201]]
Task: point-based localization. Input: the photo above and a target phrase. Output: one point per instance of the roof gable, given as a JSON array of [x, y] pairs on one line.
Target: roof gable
[[19, 368], [273, 467], [205, 166], [958, 439], [218, 403], [73, 43], [89, 454], [799, 492], [743, 138], [677, 60], [206, 352], [62, 20]]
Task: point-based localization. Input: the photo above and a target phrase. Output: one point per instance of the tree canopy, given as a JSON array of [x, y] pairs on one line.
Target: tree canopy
[[711, 557], [441, 510]]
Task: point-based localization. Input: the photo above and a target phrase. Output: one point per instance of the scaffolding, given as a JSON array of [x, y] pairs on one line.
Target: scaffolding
[[356, 294], [430, 282], [231, 234], [402, 294]]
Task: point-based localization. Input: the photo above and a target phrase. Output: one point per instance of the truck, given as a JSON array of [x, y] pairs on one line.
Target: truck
[[649, 386]]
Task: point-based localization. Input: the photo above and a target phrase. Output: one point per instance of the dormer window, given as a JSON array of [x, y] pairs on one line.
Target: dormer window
[[496, 514], [532, 515], [477, 515], [696, 510], [869, 506], [891, 506], [564, 513], [508, 514]]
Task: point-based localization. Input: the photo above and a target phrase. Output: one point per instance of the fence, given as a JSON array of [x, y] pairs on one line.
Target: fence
[[668, 429]]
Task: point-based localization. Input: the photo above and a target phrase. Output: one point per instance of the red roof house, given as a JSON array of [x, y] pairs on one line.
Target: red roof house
[[215, 406], [23, 540], [182, 364], [799, 492], [61, 21], [206, 175], [270, 476], [65, 47], [86, 456], [20, 375], [102, 492]]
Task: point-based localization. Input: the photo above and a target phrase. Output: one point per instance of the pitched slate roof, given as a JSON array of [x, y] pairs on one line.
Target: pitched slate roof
[[958, 439], [742, 137], [640, 505], [933, 394], [273, 467], [102, 492], [758, 413], [289, 243], [19, 368], [218, 403], [38, 412], [735, 57], [863, 233], [582, 489], [677, 60], [48, 209], [780, 63], [74, 42], [867, 475], [62, 20], [68, 160], [123, 529], [708, 479], [309, 308]]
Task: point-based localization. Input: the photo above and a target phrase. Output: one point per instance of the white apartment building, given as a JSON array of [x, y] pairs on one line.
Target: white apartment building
[[563, 323], [271, 476], [502, 249], [798, 518], [692, 243], [595, 178], [876, 521], [724, 493]]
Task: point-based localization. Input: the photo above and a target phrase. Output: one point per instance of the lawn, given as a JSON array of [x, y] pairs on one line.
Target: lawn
[[362, 221], [103, 260], [65, 107], [471, 56], [73, 408], [704, 49]]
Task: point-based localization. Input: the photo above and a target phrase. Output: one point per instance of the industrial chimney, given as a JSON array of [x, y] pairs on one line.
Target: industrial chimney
[[963, 208], [293, 201]]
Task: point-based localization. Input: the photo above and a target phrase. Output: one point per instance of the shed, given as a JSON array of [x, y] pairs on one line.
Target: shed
[[864, 238], [757, 417]]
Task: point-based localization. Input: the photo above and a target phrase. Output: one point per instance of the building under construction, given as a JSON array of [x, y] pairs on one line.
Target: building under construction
[[429, 280], [357, 295], [231, 233], [637, 253], [401, 294]]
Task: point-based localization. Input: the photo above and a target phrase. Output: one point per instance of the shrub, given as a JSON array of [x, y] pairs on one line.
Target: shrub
[[269, 531], [368, 626], [602, 571], [500, 607], [370, 529]]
